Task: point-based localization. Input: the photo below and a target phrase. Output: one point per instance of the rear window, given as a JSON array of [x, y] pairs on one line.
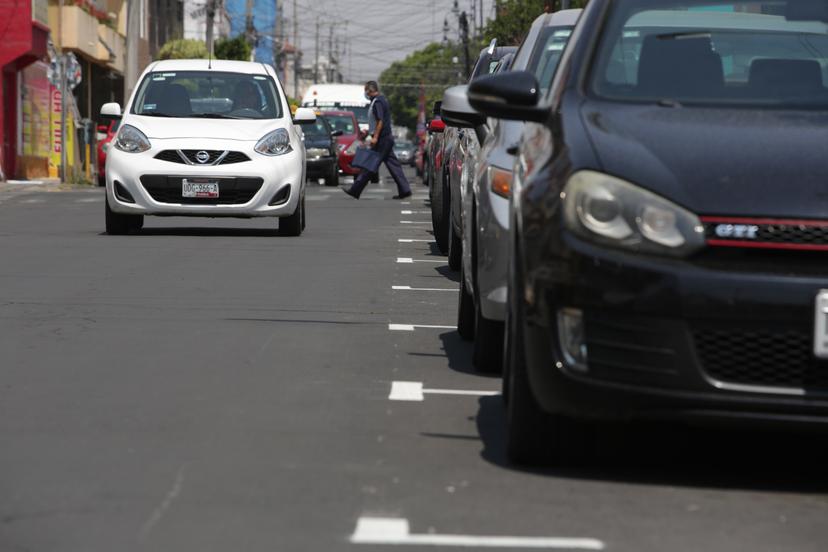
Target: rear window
[[547, 54], [742, 53]]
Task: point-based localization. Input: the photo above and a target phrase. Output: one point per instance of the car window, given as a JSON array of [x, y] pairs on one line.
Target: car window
[[547, 54], [319, 129], [207, 94], [341, 122], [770, 53]]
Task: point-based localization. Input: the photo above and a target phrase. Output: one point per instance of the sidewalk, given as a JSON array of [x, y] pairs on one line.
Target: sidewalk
[[42, 185]]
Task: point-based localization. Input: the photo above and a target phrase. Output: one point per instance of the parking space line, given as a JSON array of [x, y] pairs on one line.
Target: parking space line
[[410, 212], [414, 391], [396, 531], [415, 222], [409, 260], [409, 288], [412, 327], [90, 200], [412, 240]]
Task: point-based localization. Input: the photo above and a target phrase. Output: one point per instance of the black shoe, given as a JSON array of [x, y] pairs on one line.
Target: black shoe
[[349, 192], [403, 196]]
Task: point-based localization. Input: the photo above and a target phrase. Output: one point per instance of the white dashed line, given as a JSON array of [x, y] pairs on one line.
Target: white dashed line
[[412, 240], [316, 198], [409, 260], [414, 391], [31, 201], [412, 327], [90, 200], [410, 212], [415, 222], [409, 288], [395, 531]]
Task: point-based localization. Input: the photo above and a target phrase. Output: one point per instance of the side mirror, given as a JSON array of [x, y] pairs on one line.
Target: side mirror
[[457, 112], [304, 116], [336, 133], [513, 96], [438, 106], [436, 125], [111, 110]]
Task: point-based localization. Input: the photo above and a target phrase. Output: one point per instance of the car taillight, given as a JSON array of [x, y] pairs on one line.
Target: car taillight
[[500, 182]]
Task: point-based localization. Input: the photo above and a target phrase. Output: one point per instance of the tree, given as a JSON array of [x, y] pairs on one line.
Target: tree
[[233, 48], [183, 48], [436, 67]]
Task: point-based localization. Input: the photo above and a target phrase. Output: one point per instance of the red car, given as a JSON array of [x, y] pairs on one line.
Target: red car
[[106, 132], [348, 142]]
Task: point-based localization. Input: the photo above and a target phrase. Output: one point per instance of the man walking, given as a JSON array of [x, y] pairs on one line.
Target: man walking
[[382, 141]]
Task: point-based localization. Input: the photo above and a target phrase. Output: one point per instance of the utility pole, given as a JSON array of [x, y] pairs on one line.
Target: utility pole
[[210, 11], [481, 17], [249, 28], [464, 38], [331, 75], [316, 55], [297, 64], [564, 4], [133, 28]]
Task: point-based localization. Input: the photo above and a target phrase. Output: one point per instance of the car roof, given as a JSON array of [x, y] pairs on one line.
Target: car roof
[[218, 65], [561, 18]]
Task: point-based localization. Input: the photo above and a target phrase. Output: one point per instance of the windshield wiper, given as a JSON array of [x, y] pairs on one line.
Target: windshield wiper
[[685, 35], [214, 116], [158, 114]]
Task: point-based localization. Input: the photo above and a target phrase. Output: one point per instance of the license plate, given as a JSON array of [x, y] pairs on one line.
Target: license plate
[[821, 325], [199, 188]]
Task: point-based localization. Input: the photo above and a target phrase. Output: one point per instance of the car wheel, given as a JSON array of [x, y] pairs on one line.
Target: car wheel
[[442, 222], [333, 177], [292, 225], [488, 343], [534, 437], [118, 224], [455, 248], [465, 310]]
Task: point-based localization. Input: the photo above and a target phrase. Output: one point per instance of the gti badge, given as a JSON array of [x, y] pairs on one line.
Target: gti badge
[[202, 157], [737, 231]]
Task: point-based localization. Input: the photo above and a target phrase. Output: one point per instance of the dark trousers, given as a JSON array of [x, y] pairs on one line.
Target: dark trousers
[[385, 147]]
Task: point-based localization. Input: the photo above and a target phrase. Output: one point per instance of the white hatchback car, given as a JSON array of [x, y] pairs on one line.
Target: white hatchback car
[[206, 138]]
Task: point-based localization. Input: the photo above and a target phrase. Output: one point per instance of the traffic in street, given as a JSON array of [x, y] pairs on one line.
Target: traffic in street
[[553, 282]]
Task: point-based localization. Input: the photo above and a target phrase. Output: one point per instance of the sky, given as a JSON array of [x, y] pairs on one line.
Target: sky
[[378, 32]]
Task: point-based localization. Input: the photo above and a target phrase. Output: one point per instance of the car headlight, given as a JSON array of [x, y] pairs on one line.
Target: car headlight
[[318, 152], [614, 212], [274, 143], [131, 140]]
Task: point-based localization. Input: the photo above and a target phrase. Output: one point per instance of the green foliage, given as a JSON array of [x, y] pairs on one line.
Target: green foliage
[[233, 48], [183, 49], [516, 16], [433, 67]]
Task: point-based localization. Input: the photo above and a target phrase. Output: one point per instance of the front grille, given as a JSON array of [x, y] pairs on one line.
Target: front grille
[[214, 157], [232, 191], [766, 233], [767, 358]]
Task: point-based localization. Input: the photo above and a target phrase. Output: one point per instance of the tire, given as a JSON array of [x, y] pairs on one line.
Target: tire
[[488, 343], [465, 310], [333, 176], [455, 248], [441, 222], [534, 437], [120, 225], [293, 225]]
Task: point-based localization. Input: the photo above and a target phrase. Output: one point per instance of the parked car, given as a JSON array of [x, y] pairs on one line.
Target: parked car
[[321, 151], [668, 223], [455, 145], [485, 207], [206, 139], [106, 132], [405, 152], [347, 142]]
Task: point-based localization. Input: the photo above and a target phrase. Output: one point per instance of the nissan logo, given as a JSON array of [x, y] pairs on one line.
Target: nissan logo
[[202, 157]]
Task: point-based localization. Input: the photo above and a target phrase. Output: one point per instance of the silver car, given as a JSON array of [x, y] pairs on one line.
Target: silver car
[[485, 209]]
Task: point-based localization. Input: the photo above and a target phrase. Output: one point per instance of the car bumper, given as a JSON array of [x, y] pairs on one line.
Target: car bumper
[[669, 338], [154, 184], [320, 167]]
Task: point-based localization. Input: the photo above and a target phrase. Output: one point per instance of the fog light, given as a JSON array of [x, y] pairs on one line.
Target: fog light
[[281, 196], [122, 193], [571, 337]]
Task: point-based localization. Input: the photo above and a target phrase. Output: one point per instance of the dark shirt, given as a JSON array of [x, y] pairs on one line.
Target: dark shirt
[[382, 112]]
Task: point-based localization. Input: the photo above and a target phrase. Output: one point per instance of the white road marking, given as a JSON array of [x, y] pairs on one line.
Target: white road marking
[[395, 531], [415, 222], [414, 391], [409, 288], [412, 327], [159, 512], [409, 260], [405, 203], [410, 212], [90, 200], [316, 198], [412, 240], [30, 201]]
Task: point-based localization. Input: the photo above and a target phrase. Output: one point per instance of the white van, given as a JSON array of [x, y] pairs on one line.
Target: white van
[[347, 97]]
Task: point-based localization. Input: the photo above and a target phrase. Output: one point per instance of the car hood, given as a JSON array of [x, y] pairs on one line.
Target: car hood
[[717, 161], [162, 128]]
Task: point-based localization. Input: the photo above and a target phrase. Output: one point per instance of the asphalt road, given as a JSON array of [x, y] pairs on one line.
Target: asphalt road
[[210, 386]]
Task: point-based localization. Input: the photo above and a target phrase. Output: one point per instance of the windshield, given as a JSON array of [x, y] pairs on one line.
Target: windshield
[[359, 111], [208, 94], [319, 129], [749, 53], [547, 54], [344, 123], [400, 146]]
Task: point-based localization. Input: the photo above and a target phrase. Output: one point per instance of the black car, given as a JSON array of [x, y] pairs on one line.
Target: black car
[[321, 152], [669, 221]]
